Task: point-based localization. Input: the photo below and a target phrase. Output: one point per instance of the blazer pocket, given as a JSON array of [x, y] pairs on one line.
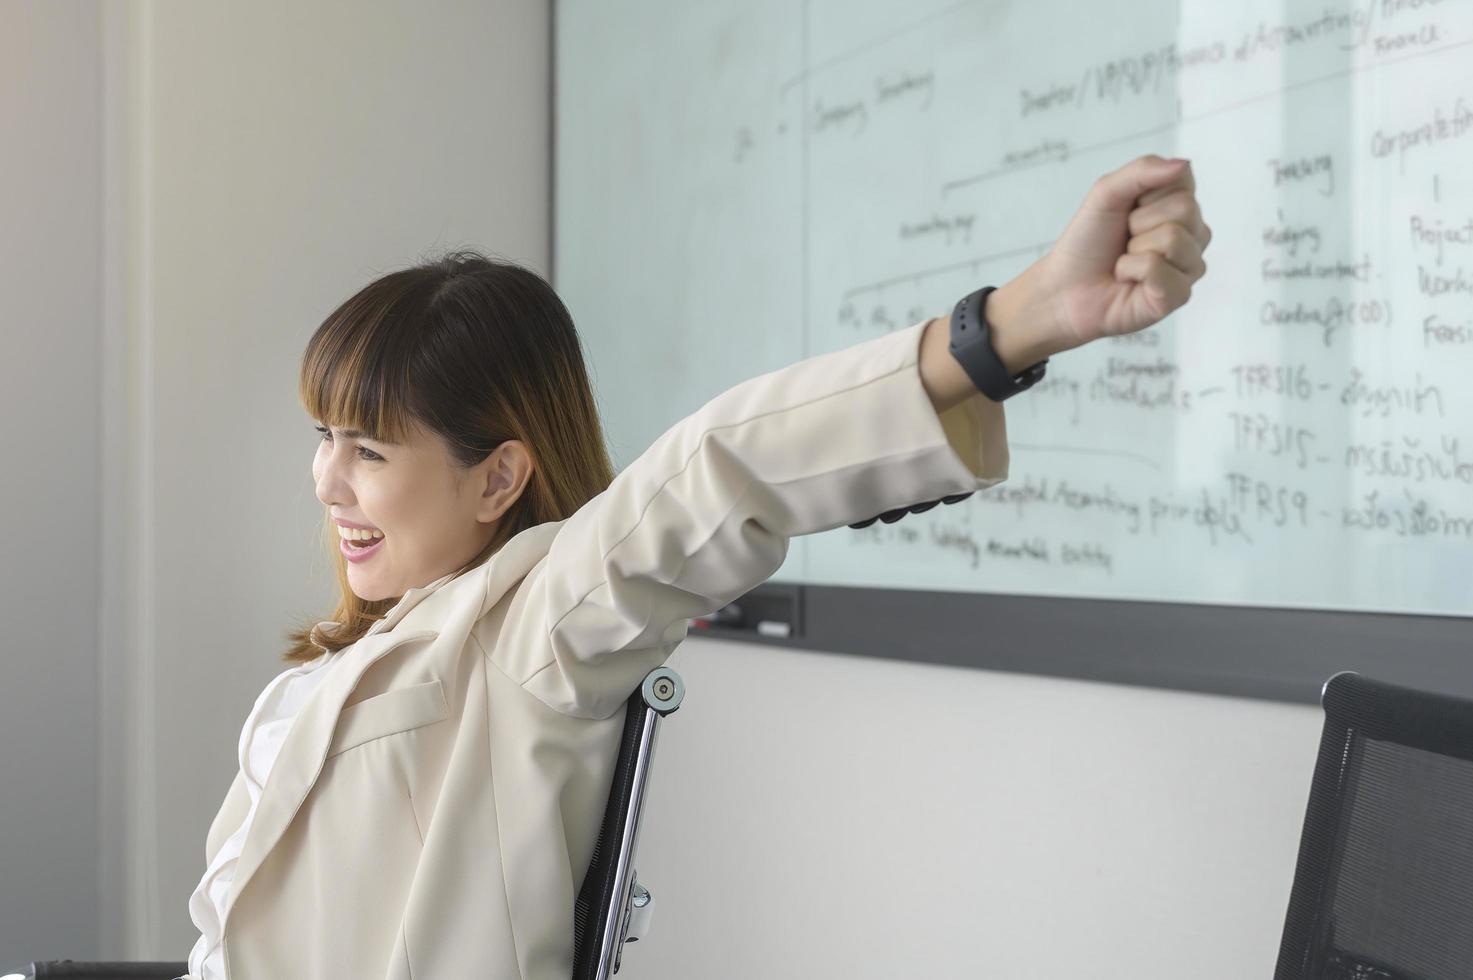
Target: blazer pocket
[[394, 711]]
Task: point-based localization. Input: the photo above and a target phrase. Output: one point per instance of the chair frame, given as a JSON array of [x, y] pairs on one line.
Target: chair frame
[[610, 885]]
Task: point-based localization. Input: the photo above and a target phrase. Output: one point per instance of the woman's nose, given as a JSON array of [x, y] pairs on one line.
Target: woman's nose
[[330, 487]]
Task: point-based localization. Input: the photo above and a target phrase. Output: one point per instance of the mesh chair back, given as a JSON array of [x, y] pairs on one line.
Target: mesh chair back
[[1383, 886]]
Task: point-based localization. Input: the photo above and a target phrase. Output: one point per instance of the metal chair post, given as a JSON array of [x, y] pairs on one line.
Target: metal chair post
[[613, 907]]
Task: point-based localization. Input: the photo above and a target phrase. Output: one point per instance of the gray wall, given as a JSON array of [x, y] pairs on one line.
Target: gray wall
[[50, 329], [189, 188]]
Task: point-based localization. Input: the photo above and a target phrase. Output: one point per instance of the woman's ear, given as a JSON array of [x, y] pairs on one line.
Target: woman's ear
[[506, 473]]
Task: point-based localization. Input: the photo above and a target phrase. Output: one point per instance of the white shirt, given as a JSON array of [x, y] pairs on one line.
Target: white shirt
[[260, 741]]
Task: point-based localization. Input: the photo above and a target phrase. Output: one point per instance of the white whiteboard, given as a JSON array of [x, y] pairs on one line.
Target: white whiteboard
[[741, 185]]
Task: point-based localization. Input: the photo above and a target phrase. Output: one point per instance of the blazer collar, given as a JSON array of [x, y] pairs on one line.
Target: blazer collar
[[423, 613], [406, 602]]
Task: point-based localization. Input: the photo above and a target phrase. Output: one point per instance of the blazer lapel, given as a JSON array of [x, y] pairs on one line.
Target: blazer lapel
[[453, 609], [304, 751]]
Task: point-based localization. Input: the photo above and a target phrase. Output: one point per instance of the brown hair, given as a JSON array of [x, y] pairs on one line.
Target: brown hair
[[478, 351]]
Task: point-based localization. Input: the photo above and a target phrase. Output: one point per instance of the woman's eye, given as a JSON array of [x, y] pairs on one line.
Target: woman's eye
[[363, 451]]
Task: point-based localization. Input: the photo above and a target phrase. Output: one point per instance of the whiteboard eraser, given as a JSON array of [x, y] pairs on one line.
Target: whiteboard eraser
[[771, 627]]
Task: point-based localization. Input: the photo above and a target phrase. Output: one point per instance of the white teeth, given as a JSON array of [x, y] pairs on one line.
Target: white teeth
[[355, 534]]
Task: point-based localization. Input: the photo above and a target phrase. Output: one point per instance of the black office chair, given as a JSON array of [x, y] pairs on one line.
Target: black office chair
[[612, 909], [1383, 886]]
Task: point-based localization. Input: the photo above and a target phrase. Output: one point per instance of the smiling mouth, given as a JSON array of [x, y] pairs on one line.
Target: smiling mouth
[[353, 547]]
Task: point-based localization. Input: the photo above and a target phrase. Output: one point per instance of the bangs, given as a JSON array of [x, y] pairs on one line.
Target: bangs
[[354, 376]]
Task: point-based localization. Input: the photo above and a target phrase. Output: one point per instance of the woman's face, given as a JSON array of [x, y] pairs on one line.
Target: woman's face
[[434, 515]]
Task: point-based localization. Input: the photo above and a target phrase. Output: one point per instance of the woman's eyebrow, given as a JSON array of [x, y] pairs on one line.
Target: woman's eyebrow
[[360, 434]]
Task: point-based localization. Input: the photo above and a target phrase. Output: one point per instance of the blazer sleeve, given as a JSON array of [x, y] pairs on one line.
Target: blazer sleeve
[[705, 514]]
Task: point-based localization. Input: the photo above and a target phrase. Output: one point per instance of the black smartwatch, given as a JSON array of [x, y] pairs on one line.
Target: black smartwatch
[[971, 345]]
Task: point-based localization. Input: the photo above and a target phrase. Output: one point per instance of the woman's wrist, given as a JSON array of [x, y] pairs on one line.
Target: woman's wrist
[[1021, 323], [1022, 331], [943, 377]]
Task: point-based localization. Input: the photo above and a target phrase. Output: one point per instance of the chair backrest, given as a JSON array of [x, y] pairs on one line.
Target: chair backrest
[[1383, 886], [609, 892]]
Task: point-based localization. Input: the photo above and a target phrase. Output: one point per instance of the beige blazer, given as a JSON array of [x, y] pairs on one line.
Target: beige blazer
[[436, 802]]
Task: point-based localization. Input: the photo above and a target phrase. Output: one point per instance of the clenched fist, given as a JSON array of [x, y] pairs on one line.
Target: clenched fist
[[1128, 257]]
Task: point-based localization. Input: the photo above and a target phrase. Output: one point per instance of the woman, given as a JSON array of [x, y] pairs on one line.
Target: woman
[[440, 752]]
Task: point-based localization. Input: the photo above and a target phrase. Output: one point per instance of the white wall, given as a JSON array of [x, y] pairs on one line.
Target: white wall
[[811, 814]]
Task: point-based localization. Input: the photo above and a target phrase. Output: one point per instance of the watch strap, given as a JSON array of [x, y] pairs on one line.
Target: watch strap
[[971, 345]]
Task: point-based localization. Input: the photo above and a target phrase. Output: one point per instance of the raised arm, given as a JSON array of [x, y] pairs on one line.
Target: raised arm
[[890, 424], [706, 512]]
